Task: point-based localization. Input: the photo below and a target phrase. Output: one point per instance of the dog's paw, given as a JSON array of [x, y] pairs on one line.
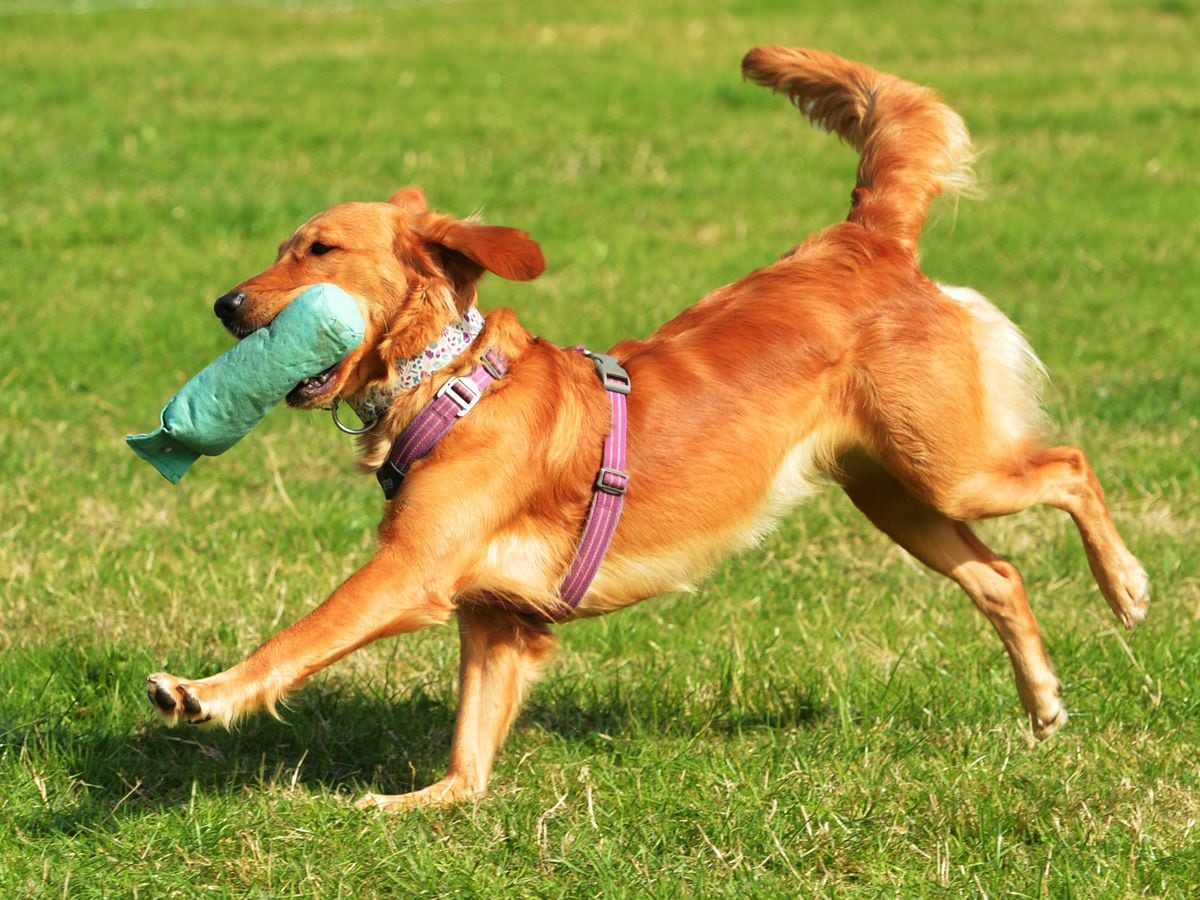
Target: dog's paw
[[446, 792], [1129, 594], [1045, 726], [177, 700]]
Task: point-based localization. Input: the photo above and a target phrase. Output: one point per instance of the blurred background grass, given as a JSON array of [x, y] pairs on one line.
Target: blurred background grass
[[821, 714]]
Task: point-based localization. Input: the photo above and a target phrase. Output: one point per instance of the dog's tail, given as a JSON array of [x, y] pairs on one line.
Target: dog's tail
[[912, 145]]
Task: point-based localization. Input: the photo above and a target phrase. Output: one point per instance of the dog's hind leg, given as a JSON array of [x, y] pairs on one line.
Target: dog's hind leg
[[952, 548], [1063, 478], [964, 435], [502, 653]]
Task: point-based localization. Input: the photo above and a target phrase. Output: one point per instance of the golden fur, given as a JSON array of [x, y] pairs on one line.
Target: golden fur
[[840, 361]]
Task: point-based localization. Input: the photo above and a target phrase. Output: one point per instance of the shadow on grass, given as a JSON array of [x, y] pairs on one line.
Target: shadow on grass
[[102, 754], [592, 713]]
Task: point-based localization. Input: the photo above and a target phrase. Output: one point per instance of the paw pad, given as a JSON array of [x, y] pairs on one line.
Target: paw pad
[[160, 696]]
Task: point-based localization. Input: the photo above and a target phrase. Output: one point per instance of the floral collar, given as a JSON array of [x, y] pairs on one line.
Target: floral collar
[[409, 373]]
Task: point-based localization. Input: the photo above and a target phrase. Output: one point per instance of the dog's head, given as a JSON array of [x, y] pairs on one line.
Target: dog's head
[[412, 270]]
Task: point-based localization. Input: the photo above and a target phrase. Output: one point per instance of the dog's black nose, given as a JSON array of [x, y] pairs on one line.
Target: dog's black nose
[[227, 305]]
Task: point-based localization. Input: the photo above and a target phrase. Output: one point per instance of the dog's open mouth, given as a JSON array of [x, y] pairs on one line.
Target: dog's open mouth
[[312, 387]]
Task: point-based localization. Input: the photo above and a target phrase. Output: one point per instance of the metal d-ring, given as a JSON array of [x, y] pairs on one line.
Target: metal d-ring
[[346, 429]]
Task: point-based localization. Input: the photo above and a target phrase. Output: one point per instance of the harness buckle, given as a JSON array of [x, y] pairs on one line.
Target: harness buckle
[[612, 481], [463, 393], [612, 374], [494, 366], [390, 478]]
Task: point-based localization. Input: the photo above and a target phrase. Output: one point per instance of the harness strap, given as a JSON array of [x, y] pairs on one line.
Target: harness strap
[[611, 483], [455, 399], [459, 396]]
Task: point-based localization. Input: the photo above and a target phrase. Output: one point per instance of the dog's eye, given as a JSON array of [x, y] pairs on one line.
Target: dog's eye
[[319, 249]]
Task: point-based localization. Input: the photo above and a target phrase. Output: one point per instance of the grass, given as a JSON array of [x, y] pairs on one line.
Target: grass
[[823, 717]]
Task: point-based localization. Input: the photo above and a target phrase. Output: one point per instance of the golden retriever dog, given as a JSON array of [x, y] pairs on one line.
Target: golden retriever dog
[[839, 362]]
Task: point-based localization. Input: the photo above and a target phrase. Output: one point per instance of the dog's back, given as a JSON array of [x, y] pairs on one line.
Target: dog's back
[[829, 349]]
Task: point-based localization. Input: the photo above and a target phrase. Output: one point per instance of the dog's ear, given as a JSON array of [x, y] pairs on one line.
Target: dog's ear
[[506, 252], [445, 258], [462, 251], [410, 200]]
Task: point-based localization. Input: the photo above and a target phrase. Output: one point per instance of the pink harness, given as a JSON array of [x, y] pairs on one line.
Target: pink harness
[[458, 397]]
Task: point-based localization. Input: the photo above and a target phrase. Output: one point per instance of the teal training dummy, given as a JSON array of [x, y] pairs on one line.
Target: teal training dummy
[[222, 404]]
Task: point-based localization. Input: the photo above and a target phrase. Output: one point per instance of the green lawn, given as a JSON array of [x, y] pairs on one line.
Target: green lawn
[[823, 716]]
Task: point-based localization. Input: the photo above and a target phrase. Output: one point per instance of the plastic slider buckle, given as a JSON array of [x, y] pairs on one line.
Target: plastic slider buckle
[[463, 393], [494, 363], [603, 485], [612, 375]]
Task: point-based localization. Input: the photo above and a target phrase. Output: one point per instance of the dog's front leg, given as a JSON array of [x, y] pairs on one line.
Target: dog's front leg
[[399, 590], [502, 653]]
